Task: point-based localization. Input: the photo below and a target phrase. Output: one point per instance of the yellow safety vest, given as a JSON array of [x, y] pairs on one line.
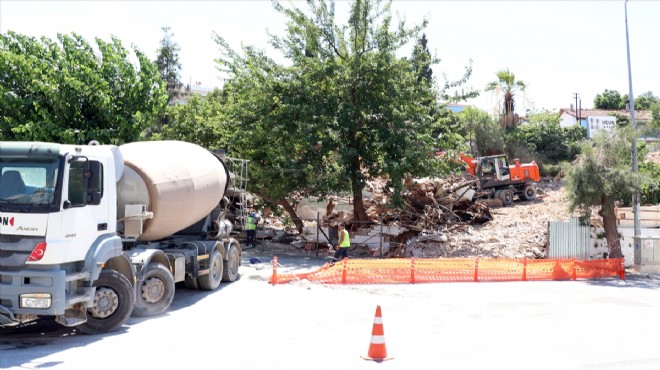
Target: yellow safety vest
[[250, 224], [347, 240]]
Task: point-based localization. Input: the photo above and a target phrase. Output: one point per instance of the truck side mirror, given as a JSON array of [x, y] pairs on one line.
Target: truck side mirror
[[94, 189], [93, 198], [94, 175]]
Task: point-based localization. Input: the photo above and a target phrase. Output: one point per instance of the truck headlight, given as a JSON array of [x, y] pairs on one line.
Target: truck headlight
[[35, 300]]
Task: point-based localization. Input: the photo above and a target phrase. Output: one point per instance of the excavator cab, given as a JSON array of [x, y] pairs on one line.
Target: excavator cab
[[502, 168], [492, 170]]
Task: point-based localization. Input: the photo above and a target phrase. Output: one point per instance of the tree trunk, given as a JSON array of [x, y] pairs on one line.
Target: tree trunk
[[292, 212], [359, 214], [609, 224]]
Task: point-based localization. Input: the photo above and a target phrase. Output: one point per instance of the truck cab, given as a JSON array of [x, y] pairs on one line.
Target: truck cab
[[57, 218]]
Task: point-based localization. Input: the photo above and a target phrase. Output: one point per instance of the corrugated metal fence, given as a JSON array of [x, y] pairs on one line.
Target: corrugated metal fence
[[569, 239]]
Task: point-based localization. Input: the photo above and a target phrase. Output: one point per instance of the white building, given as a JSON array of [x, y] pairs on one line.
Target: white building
[[569, 117]]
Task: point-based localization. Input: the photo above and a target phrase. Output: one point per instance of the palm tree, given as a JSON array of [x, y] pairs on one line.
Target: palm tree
[[506, 83]]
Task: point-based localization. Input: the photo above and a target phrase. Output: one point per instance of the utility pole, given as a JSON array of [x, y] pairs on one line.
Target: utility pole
[[577, 116], [580, 111], [635, 168]]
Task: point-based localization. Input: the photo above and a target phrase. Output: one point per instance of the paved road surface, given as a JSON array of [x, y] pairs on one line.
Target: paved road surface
[[249, 324]]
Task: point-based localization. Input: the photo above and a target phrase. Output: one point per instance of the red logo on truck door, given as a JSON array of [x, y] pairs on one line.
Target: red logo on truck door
[[7, 221]]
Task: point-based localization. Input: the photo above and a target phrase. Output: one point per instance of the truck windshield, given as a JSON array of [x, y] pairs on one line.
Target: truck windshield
[[28, 181]]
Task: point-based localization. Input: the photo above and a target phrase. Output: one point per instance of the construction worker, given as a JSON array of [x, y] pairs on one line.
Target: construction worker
[[251, 229], [344, 244]]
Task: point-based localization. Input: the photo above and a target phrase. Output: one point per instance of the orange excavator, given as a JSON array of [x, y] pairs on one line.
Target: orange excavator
[[502, 180]]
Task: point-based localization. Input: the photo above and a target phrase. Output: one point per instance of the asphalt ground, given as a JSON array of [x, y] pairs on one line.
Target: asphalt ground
[[251, 324]]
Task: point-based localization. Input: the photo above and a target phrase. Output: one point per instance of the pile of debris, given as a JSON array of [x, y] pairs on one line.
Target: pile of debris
[[430, 204], [435, 212], [442, 218]]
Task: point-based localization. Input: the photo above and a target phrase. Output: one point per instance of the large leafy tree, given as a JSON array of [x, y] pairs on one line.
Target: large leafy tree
[[267, 106], [199, 121], [167, 60], [600, 176], [447, 123], [422, 60], [646, 101], [612, 99], [346, 109], [609, 99], [62, 91], [486, 136], [506, 86]]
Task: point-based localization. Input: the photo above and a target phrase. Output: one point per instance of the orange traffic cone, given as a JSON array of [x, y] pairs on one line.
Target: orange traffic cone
[[377, 351]]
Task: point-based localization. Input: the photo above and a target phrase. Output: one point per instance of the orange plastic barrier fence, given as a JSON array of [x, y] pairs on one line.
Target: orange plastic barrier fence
[[392, 271]]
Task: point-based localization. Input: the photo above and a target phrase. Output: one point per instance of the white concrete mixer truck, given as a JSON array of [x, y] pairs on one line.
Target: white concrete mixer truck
[[90, 234]]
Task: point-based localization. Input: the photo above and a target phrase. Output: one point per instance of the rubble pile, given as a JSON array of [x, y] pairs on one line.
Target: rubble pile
[[429, 204], [440, 220], [444, 218]]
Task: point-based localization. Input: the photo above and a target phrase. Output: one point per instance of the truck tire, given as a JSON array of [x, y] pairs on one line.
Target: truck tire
[[507, 197], [212, 280], [530, 192], [230, 268], [154, 292], [113, 303]]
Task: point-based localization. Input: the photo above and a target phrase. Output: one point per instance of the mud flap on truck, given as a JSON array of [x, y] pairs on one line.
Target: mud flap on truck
[[6, 317]]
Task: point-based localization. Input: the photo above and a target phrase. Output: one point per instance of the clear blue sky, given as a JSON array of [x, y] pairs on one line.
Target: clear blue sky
[[557, 47]]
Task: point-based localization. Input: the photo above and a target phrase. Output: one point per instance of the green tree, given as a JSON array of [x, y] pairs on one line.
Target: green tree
[[480, 129], [266, 106], [601, 176], [446, 123], [649, 190], [655, 115], [61, 91], [199, 121], [646, 100], [609, 99], [545, 140], [507, 86], [167, 60], [422, 60], [346, 109]]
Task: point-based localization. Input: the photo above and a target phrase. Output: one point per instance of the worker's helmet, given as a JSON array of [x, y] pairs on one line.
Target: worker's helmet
[[253, 214], [340, 225]]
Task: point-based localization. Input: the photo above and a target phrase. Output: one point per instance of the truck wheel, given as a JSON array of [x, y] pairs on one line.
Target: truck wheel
[[507, 197], [230, 268], [212, 280], [113, 303], [530, 192], [154, 293]]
